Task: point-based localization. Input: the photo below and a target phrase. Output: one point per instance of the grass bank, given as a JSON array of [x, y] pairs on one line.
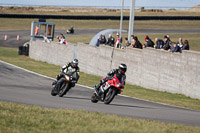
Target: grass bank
[[11, 55], [25, 24], [18, 118]]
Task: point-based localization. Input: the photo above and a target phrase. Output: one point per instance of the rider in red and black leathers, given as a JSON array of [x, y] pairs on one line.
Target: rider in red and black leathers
[[119, 72]]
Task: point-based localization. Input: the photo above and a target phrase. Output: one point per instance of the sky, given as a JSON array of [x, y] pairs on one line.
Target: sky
[[105, 3]]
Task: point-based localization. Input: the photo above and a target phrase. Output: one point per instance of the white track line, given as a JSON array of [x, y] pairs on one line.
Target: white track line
[[90, 87]]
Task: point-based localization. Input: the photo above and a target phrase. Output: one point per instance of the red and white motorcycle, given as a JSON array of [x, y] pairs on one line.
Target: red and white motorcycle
[[109, 90]]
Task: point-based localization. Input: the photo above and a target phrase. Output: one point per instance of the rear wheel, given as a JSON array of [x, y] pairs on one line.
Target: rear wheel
[[63, 89], [109, 96], [93, 98]]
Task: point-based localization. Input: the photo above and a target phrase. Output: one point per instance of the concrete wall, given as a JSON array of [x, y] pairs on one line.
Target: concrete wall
[[149, 68]]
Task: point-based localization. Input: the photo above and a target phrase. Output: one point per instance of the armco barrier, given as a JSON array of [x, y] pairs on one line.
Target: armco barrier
[[149, 68], [95, 17]]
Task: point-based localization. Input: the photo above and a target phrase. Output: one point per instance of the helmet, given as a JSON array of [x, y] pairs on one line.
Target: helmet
[[74, 63], [122, 68]]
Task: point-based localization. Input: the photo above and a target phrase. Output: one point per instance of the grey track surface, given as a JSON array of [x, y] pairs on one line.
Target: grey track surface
[[25, 34], [20, 86]]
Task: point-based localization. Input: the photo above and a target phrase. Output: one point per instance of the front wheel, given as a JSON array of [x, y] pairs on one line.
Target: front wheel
[[53, 92], [93, 98], [109, 96], [63, 89]]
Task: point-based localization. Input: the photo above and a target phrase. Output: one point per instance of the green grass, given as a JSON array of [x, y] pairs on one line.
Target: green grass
[[10, 55], [25, 24], [18, 118]]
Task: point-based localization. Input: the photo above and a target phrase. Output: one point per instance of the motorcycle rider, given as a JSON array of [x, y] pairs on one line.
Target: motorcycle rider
[[71, 66], [120, 72]]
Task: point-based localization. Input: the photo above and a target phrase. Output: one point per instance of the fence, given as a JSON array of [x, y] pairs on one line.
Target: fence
[[149, 68]]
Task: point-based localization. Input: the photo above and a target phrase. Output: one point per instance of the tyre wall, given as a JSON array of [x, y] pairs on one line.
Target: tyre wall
[[149, 68]]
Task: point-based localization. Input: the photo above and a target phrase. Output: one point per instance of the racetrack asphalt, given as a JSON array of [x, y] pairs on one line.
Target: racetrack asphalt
[[24, 35], [21, 86]]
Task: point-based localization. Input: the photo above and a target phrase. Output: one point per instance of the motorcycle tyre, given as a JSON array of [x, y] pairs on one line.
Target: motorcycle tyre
[[53, 93], [111, 97], [64, 90], [93, 98]]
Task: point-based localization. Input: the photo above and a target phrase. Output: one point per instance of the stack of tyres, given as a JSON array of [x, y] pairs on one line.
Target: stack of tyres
[[23, 50]]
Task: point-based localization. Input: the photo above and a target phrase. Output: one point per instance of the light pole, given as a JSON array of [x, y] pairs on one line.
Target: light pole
[[121, 21], [131, 20]]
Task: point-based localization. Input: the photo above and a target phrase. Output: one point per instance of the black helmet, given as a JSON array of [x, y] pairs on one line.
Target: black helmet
[[122, 68], [75, 63]]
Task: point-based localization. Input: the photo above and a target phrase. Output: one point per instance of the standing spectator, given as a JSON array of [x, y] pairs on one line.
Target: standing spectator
[[137, 43], [166, 43], [118, 41], [111, 41], [159, 43], [186, 45], [37, 30], [149, 42], [180, 42]]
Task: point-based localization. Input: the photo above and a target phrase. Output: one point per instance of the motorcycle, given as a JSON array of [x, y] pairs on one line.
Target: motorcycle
[[64, 84], [109, 90]]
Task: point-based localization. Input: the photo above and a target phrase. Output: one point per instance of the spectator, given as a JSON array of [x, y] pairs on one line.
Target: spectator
[[186, 45], [149, 42], [171, 47], [180, 42], [71, 30], [61, 39], [127, 42], [103, 40], [166, 43], [132, 41], [111, 41], [98, 41], [176, 48], [36, 30], [118, 41], [137, 43], [159, 43]]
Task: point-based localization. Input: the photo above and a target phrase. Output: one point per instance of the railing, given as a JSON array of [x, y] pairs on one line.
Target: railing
[[93, 17]]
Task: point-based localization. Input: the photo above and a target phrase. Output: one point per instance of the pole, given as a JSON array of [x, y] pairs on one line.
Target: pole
[[131, 20], [121, 21]]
